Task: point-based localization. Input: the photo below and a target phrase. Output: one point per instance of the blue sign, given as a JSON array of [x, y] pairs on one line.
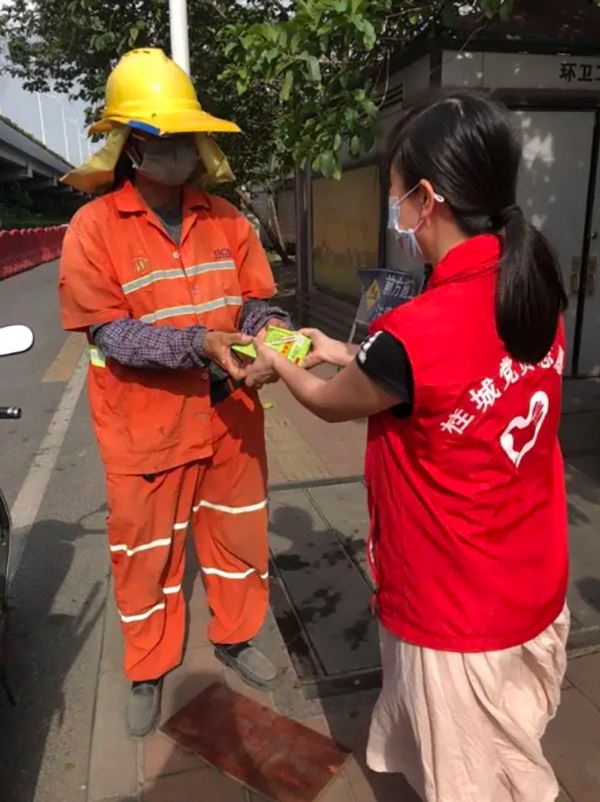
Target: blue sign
[[383, 290]]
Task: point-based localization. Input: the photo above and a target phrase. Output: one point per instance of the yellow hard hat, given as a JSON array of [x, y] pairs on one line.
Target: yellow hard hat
[[148, 91]]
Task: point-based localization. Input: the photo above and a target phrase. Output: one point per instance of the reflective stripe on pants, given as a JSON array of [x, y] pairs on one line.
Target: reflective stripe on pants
[[223, 501]]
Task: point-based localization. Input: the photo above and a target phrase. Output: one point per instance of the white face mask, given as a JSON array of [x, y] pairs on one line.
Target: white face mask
[[407, 237], [166, 161]]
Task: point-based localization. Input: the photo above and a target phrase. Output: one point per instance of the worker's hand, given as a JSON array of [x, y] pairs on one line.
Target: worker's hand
[[217, 348], [274, 321], [324, 350], [263, 369]]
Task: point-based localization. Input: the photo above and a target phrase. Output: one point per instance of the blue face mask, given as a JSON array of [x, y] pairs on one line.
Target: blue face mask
[[407, 237]]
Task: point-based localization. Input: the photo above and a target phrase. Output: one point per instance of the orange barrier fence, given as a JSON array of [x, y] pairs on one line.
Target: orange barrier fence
[[24, 248]]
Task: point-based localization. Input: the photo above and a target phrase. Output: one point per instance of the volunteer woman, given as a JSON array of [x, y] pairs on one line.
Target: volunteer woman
[[468, 539]]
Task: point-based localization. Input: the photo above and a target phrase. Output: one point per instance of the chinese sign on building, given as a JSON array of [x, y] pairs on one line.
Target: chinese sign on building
[[572, 71]]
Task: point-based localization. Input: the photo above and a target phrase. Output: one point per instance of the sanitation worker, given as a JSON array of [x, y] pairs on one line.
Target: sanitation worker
[[163, 278]]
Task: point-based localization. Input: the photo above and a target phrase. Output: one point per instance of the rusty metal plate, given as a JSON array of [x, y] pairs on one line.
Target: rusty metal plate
[[263, 750]]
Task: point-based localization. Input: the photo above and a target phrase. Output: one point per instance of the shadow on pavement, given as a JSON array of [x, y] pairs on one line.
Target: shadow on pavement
[[42, 646], [589, 588], [582, 479], [349, 720], [306, 546]]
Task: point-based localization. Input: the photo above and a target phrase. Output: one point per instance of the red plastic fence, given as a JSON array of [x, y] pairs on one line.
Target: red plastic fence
[[24, 248]]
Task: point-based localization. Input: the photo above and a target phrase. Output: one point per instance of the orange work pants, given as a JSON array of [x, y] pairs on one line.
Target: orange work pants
[[224, 502]]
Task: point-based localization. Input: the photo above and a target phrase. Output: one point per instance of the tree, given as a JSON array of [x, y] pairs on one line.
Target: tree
[[325, 68], [300, 76], [72, 45], [303, 78]]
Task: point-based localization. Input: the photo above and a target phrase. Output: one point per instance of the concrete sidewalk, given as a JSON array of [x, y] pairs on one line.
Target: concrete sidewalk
[[317, 525]]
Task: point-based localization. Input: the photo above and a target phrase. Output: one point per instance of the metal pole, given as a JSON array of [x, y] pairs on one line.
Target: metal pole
[[65, 135], [585, 250], [180, 48], [78, 135], [39, 100]]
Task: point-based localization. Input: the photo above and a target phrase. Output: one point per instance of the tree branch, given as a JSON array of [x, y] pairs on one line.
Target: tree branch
[[214, 4], [275, 241]]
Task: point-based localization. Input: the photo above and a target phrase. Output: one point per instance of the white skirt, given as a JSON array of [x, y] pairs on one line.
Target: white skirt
[[467, 727]]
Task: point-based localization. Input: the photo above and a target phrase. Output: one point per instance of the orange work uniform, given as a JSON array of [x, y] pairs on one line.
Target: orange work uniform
[[172, 460]]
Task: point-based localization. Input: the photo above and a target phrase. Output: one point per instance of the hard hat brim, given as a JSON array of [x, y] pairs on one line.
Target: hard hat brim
[[97, 173], [182, 122]]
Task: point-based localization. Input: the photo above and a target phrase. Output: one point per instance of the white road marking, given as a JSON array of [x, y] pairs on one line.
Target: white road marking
[[33, 489]]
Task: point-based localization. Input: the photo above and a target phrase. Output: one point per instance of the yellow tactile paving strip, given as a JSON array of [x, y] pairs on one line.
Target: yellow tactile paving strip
[[297, 460]]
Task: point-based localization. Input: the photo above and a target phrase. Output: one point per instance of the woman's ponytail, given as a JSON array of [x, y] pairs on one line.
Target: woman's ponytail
[[530, 295]]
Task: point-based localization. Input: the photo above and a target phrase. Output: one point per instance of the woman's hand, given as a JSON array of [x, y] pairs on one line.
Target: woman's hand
[[263, 369], [327, 350]]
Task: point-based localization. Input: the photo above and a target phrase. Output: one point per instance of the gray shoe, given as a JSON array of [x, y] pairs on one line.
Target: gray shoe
[[250, 664], [143, 710]]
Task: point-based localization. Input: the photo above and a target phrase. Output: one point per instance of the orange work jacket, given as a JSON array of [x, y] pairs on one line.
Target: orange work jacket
[[118, 261]]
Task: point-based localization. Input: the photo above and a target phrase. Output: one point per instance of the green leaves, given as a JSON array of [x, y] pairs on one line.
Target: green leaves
[[317, 62], [492, 7], [489, 8], [366, 28], [449, 14], [314, 69], [506, 9], [288, 83], [320, 62], [299, 77], [101, 41], [328, 165], [134, 31]]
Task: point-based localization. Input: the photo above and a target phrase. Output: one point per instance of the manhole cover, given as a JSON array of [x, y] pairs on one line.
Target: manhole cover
[[320, 591]]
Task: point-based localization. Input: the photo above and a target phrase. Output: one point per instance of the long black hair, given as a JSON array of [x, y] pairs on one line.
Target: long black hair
[[466, 145]]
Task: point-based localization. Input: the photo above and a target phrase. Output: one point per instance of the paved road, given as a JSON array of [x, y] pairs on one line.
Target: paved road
[[52, 478]]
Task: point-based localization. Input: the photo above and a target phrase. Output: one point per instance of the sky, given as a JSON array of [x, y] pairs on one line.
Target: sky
[[50, 117]]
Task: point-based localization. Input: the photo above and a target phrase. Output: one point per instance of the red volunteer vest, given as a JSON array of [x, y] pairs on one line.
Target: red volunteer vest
[[468, 539]]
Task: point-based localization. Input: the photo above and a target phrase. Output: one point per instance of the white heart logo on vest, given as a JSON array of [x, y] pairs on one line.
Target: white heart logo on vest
[[538, 410]]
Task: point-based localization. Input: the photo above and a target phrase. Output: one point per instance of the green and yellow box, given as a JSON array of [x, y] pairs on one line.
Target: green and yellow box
[[291, 344]]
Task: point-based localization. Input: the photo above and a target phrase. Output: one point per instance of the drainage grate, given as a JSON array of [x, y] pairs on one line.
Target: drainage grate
[[320, 591]]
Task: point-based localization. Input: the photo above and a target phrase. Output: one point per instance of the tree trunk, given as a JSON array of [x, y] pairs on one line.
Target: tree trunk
[[271, 234], [274, 218]]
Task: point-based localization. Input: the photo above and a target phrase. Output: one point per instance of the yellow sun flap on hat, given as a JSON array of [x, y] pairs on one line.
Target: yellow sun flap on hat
[[148, 91], [97, 173]]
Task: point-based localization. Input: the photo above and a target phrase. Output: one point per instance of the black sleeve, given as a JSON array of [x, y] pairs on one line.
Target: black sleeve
[[384, 360]]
